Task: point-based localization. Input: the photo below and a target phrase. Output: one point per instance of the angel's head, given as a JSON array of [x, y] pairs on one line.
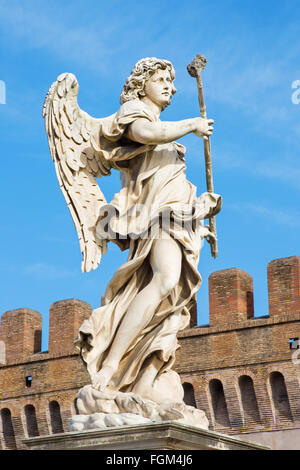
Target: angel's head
[[150, 75]]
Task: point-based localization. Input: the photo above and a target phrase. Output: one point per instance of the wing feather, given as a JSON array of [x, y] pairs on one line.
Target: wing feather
[[71, 136]]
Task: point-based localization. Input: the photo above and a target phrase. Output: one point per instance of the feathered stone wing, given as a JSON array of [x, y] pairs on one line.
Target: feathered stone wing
[[72, 136]]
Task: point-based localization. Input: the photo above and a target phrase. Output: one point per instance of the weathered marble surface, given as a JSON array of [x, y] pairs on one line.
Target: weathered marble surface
[[109, 409]]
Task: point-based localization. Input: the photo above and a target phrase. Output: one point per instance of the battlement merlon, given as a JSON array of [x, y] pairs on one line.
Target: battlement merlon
[[230, 303], [66, 316], [21, 332], [231, 292], [284, 286]]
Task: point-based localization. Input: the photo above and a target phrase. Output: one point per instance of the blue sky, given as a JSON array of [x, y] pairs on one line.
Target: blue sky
[[253, 52]]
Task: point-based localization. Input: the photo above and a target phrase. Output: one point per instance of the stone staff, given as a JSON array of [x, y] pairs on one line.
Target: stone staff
[[195, 68]]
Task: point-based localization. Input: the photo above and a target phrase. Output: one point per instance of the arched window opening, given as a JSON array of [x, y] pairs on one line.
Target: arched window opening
[[219, 403], [55, 417], [31, 422], [76, 407], [280, 397], [8, 429], [189, 394], [249, 401]]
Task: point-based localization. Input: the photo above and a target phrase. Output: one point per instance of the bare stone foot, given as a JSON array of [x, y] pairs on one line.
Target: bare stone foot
[[102, 378]]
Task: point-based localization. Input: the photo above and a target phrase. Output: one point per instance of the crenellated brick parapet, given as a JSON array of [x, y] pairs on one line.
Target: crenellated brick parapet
[[230, 306], [230, 297], [234, 336], [21, 330], [240, 369], [231, 292]]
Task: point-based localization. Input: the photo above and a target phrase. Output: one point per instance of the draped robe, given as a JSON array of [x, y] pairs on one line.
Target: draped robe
[[154, 188]]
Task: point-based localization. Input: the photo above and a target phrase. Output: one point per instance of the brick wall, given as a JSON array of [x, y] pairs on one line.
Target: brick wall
[[239, 369], [48, 381]]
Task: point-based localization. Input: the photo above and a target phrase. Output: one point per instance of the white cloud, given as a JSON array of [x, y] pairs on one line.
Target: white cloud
[[39, 270], [48, 28]]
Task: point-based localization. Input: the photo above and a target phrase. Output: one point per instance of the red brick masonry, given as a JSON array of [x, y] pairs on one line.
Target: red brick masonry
[[239, 369]]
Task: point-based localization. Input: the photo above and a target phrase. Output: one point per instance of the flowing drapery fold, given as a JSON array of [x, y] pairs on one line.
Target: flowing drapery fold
[[156, 200]]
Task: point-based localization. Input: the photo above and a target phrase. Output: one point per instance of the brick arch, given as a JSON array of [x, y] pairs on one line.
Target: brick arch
[[31, 421], [189, 394], [8, 429], [55, 417], [250, 408], [219, 405], [280, 398]]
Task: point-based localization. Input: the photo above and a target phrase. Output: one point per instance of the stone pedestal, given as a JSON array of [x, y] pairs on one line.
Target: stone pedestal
[[155, 436]]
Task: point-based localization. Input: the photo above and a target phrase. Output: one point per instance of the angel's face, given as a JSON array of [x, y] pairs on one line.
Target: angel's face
[[159, 88]]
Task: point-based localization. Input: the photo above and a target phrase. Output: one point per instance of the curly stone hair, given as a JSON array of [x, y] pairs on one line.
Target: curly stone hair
[[141, 72]]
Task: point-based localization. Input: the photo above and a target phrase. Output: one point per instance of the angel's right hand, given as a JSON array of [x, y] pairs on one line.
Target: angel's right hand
[[203, 127], [207, 234]]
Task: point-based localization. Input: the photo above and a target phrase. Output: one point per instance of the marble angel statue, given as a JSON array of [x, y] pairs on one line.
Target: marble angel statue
[[128, 344]]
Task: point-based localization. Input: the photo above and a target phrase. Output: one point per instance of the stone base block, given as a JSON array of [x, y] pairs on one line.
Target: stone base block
[[167, 435]]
